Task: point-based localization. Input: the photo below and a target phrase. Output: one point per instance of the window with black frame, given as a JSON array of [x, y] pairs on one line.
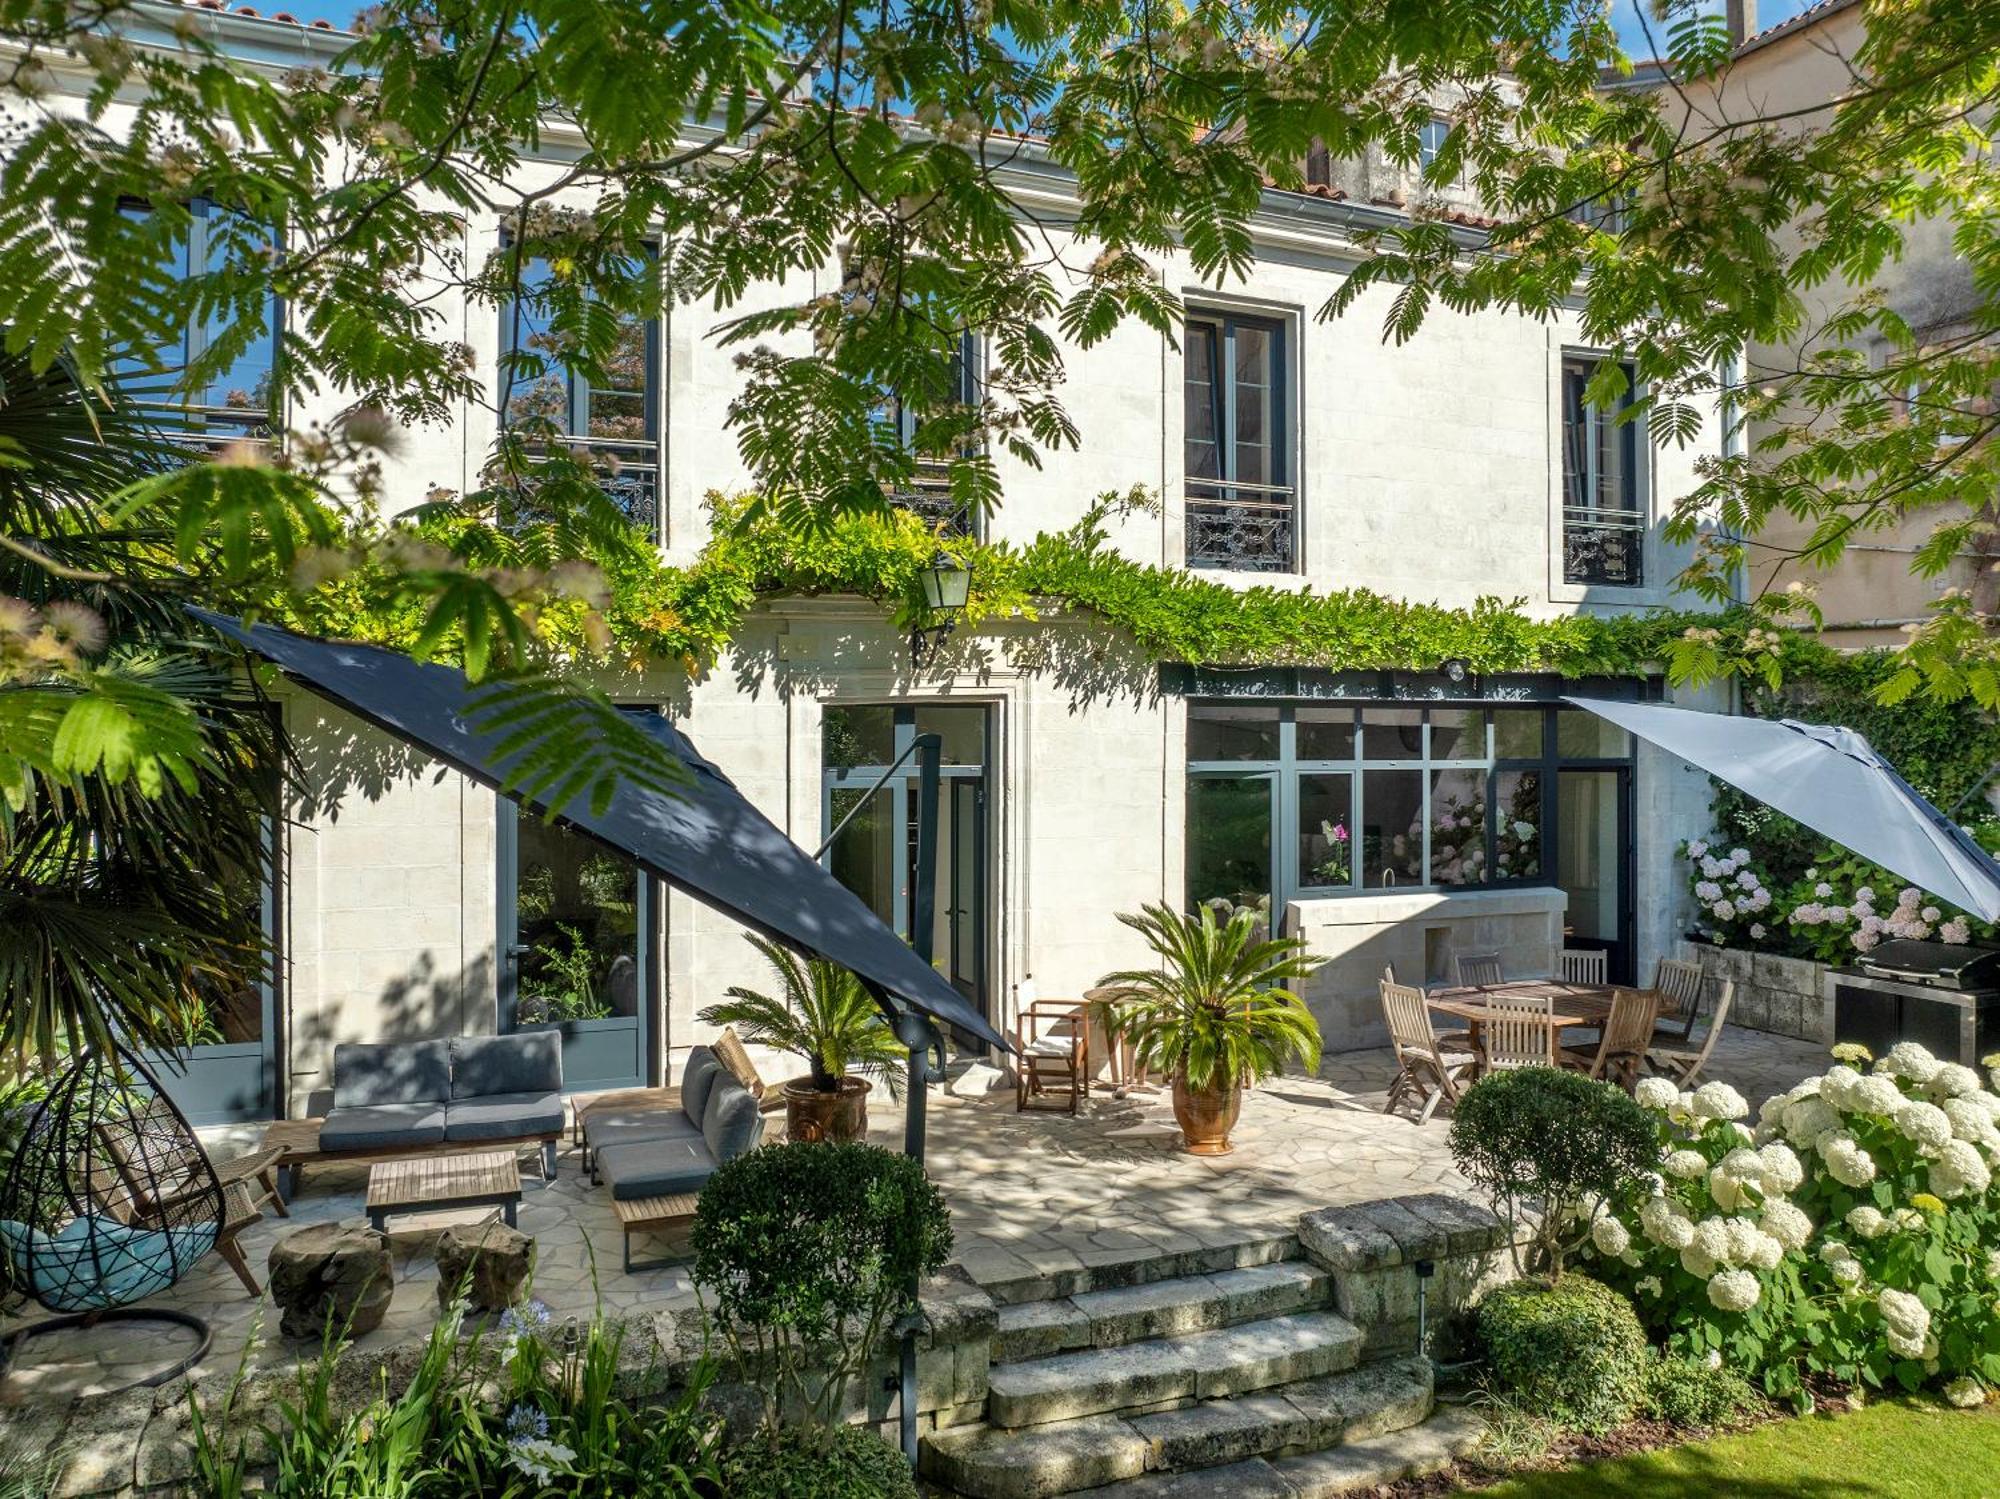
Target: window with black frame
[[1326, 799], [929, 494], [1241, 510], [213, 379], [1604, 504], [612, 424]]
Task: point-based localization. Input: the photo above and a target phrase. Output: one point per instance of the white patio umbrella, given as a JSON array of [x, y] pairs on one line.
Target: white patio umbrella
[[1831, 780]]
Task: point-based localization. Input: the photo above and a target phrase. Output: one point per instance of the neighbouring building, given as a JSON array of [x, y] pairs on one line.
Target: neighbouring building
[[1080, 779]]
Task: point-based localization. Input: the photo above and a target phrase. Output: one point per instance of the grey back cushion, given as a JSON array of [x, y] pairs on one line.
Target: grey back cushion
[[367, 1074], [732, 1123], [525, 1062], [696, 1078]]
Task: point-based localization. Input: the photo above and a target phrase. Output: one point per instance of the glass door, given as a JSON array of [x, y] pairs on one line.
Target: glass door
[[1594, 822], [964, 854], [574, 924], [1229, 842]]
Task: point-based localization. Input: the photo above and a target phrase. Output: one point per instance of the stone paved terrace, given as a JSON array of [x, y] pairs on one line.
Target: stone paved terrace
[[1032, 1195]]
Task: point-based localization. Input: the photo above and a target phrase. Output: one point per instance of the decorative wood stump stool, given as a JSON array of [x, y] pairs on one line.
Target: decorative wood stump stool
[[491, 1260], [331, 1272]]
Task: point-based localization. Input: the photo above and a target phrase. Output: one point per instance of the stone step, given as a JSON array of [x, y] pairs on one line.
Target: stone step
[[1010, 1278], [1159, 1309], [1197, 1366], [1255, 1446]]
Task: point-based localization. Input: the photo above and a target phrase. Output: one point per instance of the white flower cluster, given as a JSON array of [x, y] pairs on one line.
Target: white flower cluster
[[1728, 887], [1906, 1322]]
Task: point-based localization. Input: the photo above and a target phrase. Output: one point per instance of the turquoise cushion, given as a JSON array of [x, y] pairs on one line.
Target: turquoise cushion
[[91, 1263]]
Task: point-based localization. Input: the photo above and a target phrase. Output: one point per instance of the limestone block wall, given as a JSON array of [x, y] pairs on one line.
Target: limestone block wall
[[1786, 996], [1418, 934]]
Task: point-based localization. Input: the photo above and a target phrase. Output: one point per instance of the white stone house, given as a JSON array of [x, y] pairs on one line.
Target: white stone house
[[1081, 780]]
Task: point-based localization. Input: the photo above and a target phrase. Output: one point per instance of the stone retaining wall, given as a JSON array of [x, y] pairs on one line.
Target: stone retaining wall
[[1786, 996]]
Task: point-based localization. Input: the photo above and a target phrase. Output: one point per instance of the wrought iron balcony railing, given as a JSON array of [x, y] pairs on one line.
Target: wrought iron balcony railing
[[1606, 547], [1241, 527], [931, 499]]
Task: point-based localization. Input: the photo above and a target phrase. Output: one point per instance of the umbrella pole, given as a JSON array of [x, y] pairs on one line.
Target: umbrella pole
[[917, 1033]]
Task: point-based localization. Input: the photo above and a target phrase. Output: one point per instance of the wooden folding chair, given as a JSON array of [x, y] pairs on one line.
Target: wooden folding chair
[[1683, 1065], [1621, 1050], [1477, 970], [1519, 1033], [1679, 985], [152, 1190], [1581, 965], [1424, 1068], [1053, 1038]]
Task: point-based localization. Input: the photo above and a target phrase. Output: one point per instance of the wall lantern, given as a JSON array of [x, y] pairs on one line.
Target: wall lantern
[[1456, 670], [947, 589]]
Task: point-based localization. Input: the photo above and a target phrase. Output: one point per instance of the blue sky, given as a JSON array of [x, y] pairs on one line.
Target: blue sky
[[1769, 13]]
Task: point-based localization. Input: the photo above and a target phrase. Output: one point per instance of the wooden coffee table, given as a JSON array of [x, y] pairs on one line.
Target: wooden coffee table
[[453, 1181], [641, 1215]]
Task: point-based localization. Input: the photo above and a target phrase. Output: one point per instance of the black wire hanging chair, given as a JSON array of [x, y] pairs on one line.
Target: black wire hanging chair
[[109, 1199]]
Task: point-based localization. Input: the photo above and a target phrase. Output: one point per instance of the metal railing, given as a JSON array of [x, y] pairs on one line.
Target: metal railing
[[1241, 526], [930, 497], [1603, 546]]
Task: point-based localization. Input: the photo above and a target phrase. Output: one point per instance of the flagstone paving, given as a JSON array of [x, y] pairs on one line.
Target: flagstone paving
[[1032, 1195]]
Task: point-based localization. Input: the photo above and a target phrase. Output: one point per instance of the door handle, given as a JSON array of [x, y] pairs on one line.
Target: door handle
[[517, 951]]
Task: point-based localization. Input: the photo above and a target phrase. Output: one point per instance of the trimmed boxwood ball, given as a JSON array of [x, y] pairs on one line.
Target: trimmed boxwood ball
[[1571, 1352], [849, 1462], [1687, 1392]]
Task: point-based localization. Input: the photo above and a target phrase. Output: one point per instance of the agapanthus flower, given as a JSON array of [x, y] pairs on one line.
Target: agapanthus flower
[[525, 1420], [539, 1458], [1733, 1290]]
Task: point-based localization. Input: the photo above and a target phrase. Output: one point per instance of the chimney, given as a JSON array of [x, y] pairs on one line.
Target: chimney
[[1742, 18]]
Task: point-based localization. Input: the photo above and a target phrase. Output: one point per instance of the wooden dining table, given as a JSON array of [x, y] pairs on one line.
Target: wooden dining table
[[1571, 1005]]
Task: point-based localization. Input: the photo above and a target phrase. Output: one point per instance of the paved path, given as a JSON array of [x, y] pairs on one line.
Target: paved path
[[1029, 1193]]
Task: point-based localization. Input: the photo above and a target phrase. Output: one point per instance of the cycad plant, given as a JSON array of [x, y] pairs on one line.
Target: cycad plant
[[1216, 1009], [824, 1016]]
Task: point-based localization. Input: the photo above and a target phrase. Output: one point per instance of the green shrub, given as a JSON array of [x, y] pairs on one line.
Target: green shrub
[[1692, 1392], [848, 1462], [805, 1256], [1543, 1141], [1572, 1350]]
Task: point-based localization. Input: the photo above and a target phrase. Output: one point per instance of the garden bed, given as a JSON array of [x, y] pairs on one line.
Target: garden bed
[[1785, 996]]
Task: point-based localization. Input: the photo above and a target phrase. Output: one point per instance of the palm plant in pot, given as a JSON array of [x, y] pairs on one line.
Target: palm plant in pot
[[1215, 1016], [828, 1020]]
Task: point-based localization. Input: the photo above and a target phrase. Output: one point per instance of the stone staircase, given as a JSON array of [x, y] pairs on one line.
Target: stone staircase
[[1224, 1372]]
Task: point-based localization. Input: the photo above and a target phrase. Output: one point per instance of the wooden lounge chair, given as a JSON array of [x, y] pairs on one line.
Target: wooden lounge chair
[[1477, 970], [1519, 1033], [1679, 985], [1684, 1065], [1581, 965], [1053, 1038], [1621, 1051], [148, 1192], [1425, 1069]]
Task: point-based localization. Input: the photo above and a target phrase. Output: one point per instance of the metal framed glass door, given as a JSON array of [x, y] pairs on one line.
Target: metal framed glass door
[[1231, 821], [575, 938], [876, 853], [1594, 863]]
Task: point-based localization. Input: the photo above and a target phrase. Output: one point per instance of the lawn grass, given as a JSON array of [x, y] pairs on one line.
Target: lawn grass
[[1898, 1449]]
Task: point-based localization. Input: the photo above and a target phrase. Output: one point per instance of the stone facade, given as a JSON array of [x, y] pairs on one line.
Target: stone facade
[[1785, 996]]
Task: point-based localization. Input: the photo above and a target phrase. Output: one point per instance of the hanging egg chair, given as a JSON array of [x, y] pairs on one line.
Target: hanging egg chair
[[109, 1199]]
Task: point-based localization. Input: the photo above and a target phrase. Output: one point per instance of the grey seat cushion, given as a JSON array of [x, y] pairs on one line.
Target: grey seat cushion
[[655, 1168], [732, 1123], [623, 1126], [503, 1116], [391, 1072], [697, 1077], [524, 1062], [382, 1126]]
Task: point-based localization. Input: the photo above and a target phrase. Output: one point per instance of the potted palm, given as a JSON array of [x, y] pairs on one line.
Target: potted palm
[[1215, 1015], [826, 1019]]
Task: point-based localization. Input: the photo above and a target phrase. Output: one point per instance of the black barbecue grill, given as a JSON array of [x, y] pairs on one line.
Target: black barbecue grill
[[1944, 996]]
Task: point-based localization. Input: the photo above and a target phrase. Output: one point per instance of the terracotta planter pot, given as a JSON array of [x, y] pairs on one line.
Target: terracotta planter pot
[[1206, 1115], [811, 1115]]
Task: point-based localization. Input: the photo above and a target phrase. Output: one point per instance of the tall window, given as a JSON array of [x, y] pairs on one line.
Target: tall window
[[1604, 511], [238, 398], [613, 424], [930, 493], [1241, 507]]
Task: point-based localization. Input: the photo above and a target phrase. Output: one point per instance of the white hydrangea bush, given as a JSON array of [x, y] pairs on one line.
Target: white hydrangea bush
[[1850, 1231]]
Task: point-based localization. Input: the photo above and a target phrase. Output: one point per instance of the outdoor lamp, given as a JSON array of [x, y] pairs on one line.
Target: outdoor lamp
[[947, 589], [1456, 669]]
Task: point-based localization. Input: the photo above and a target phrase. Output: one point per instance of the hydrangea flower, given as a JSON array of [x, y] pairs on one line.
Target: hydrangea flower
[[1969, 1121], [1953, 1080], [1696, 848], [1957, 931], [1707, 892], [1847, 1272], [1686, 1164], [1757, 931], [1718, 1100], [1734, 1290], [1925, 1125], [1656, 1093], [1610, 1236], [1787, 1223], [1867, 1221], [1665, 1222], [1822, 890], [1810, 1120], [1906, 1321], [1649, 1286], [1993, 1264], [1784, 1172], [1965, 1392], [1850, 1164], [1874, 1094], [1912, 1060], [1959, 1171], [1724, 910]]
